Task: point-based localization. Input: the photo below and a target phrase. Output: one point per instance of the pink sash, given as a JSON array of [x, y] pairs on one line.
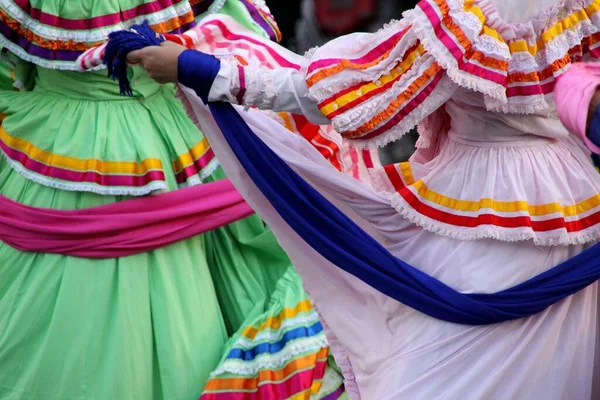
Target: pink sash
[[124, 228]]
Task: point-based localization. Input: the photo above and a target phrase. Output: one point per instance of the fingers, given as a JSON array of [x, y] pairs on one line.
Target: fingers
[[136, 57]]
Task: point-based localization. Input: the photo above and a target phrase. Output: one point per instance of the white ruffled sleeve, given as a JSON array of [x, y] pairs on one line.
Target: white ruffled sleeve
[[376, 87], [280, 90]]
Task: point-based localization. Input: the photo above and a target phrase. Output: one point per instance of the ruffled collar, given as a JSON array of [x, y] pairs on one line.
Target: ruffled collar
[[534, 27]]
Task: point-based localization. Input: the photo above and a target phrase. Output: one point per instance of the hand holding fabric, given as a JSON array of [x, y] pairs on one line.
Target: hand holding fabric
[[160, 62]]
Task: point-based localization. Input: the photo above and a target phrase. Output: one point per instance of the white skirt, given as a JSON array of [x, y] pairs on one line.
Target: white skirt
[[390, 351]]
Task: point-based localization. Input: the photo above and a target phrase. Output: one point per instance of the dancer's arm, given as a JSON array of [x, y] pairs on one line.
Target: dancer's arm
[[281, 90], [373, 88]]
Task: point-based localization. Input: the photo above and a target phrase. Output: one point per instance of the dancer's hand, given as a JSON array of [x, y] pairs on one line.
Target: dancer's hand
[[159, 61]]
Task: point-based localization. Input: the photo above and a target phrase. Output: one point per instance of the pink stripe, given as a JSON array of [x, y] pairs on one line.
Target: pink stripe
[[260, 56], [232, 36], [196, 168], [410, 107], [354, 160], [371, 56], [124, 228], [242, 92], [95, 22], [367, 158], [273, 391], [457, 51], [208, 37], [82, 177], [531, 90]]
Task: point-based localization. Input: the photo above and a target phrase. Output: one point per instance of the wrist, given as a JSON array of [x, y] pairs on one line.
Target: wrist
[[197, 71]]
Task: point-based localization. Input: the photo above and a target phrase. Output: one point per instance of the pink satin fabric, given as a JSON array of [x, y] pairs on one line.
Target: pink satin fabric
[[574, 91], [124, 228]]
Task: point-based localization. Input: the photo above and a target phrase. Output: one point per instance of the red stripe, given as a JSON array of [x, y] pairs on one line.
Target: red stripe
[[371, 56], [368, 96], [95, 22], [196, 168], [410, 107], [183, 40], [367, 158], [227, 34], [242, 92], [485, 219], [297, 383], [312, 133], [81, 176], [457, 51]]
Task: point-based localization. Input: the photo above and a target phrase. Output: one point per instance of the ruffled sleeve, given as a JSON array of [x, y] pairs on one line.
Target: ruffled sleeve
[[375, 87]]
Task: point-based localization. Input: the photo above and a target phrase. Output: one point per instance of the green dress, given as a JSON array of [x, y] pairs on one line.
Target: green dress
[[153, 325]]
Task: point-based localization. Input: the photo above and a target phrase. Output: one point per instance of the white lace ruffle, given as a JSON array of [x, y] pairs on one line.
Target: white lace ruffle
[[89, 36], [272, 361], [276, 334], [529, 181], [151, 188], [426, 34], [338, 82], [444, 90]]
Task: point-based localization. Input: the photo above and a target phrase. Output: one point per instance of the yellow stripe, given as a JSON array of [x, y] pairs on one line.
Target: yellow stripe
[[499, 206], [287, 119], [194, 154], [369, 87], [275, 322], [551, 33], [265, 376], [77, 164], [476, 10], [569, 22]]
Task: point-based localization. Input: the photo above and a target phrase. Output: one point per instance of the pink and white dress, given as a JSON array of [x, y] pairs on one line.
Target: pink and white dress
[[497, 192]]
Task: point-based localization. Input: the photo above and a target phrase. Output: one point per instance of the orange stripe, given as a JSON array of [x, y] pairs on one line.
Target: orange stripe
[[79, 164], [276, 321], [347, 64], [466, 44], [194, 154], [358, 94], [266, 376], [535, 77], [344, 64], [392, 109], [538, 210], [73, 45]]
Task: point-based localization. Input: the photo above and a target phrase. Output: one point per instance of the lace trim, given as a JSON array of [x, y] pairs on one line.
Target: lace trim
[[328, 87], [423, 30], [275, 335], [271, 361], [436, 99], [150, 188], [200, 178], [260, 88], [42, 62], [96, 35], [589, 235], [215, 7], [357, 116]]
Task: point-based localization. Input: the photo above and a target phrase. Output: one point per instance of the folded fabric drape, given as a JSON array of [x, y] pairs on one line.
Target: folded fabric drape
[[123, 228], [343, 243]]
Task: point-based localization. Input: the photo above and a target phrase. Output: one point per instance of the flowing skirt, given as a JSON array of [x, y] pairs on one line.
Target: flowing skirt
[[387, 350]]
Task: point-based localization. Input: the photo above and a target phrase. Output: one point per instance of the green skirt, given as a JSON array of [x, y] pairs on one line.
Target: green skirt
[[157, 325]]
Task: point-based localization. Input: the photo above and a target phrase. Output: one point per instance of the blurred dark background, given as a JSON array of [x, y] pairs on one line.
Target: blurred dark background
[[305, 24]]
